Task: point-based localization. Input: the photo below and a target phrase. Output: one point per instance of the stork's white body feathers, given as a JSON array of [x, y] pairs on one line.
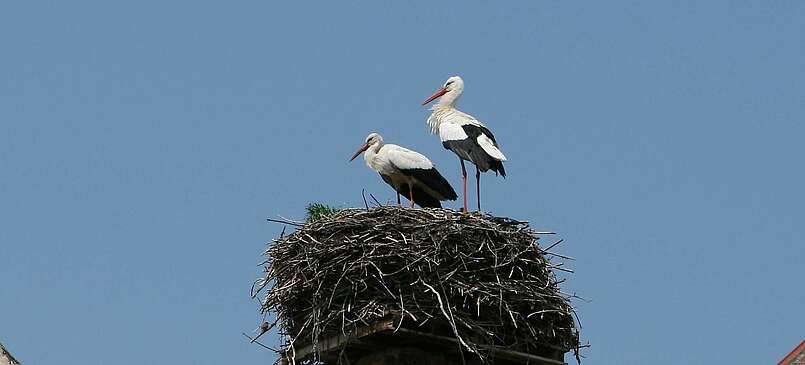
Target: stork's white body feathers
[[391, 160]]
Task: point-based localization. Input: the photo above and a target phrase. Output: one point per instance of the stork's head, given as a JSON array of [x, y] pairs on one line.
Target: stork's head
[[371, 140], [451, 90]]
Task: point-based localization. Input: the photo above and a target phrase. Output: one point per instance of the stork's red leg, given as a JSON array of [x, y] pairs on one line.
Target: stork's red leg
[[464, 181], [411, 194], [398, 200], [478, 186]]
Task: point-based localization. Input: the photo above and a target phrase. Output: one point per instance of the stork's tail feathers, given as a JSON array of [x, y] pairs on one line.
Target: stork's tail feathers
[[497, 167]]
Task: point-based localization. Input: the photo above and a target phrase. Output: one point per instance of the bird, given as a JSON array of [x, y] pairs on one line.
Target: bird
[[408, 172], [465, 135]]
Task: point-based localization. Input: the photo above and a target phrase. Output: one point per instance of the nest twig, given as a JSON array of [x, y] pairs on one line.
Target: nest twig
[[483, 278]]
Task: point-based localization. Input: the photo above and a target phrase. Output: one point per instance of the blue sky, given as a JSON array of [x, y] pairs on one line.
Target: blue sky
[[143, 144]]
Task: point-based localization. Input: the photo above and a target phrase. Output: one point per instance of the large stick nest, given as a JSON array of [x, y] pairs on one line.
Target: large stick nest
[[481, 279]]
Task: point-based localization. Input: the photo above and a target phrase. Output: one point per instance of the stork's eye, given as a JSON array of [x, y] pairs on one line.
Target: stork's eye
[[448, 83]]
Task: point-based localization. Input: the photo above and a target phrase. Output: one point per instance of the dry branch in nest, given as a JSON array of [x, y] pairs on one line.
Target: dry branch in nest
[[475, 277]]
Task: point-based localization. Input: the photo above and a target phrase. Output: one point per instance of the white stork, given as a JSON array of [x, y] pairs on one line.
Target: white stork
[[408, 172], [466, 136]]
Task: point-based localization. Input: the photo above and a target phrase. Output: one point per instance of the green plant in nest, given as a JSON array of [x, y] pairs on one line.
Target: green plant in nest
[[316, 211]]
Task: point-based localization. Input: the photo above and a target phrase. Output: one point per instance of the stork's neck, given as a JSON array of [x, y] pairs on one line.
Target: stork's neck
[[449, 99], [371, 153], [441, 112]]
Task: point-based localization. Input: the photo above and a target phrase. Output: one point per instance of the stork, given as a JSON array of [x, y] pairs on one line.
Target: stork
[[408, 172], [466, 136]]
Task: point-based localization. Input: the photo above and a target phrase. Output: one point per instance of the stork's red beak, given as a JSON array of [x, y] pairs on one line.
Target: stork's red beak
[[360, 150], [435, 95]]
